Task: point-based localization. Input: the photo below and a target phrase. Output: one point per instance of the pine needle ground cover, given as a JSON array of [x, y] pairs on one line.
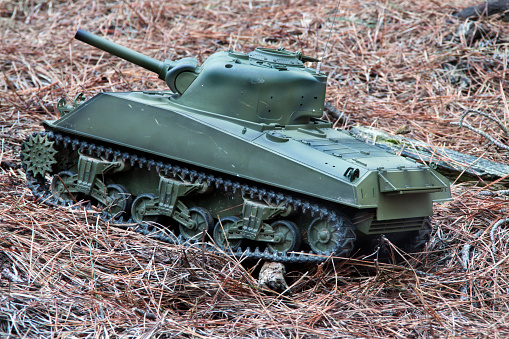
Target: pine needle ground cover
[[395, 65]]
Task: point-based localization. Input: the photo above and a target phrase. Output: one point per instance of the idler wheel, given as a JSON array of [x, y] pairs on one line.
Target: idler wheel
[[221, 231], [141, 207], [287, 237], [416, 241], [201, 220], [118, 200], [61, 186]]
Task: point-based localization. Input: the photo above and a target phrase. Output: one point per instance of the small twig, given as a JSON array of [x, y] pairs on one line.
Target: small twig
[[492, 194], [465, 256], [494, 229], [482, 133], [339, 115]]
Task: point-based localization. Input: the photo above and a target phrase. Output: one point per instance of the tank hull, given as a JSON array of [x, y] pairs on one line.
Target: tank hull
[[310, 159]]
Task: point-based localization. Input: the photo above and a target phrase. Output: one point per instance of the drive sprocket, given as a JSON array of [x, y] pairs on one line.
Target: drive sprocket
[[38, 154]]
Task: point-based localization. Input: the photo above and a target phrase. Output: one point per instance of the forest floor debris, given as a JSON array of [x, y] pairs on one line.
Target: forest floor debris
[[395, 66]]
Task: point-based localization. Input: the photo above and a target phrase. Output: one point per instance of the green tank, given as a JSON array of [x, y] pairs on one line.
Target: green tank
[[234, 153]]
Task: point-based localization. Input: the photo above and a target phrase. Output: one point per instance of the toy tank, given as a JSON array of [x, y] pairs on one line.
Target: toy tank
[[236, 148]]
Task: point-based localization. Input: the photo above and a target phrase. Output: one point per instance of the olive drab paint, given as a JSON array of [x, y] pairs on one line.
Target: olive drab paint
[[252, 117]]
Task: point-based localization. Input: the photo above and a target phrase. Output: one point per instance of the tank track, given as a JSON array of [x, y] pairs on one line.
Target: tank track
[[40, 189]]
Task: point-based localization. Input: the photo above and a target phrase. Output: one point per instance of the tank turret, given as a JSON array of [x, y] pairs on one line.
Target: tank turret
[[269, 86]]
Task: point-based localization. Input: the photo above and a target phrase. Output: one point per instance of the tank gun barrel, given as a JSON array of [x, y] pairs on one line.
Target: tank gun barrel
[[168, 70], [121, 51]]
